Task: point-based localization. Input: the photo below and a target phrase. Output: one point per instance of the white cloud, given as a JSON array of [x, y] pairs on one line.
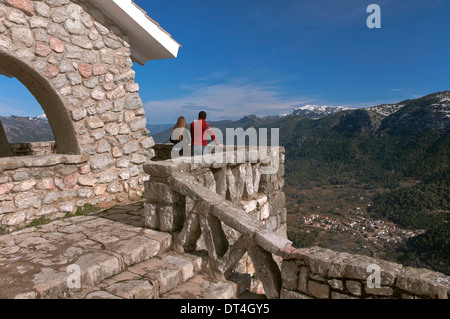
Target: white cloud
[[397, 90], [222, 101], [6, 110]]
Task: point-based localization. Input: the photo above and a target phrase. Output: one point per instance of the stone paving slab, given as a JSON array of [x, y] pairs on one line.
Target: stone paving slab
[[118, 258], [34, 262]]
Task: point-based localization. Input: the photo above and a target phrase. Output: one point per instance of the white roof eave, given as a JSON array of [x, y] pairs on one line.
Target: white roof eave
[[147, 40]]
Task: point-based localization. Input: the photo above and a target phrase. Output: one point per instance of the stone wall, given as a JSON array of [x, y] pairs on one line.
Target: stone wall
[[325, 274], [77, 63], [33, 149], [45, 186]]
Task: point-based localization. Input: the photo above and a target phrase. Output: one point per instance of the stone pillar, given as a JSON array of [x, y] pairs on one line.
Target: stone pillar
[[5, 148], [164, 208]]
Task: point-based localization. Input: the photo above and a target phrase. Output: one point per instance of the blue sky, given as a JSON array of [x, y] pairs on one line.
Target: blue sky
[[265, 57]]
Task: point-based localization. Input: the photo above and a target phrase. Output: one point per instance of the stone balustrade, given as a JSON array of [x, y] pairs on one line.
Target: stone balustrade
[[232, 209], [237, 215]]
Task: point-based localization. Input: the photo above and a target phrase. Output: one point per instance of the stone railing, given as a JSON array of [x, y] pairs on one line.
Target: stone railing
[[35, 149], [162, 151], [236, 214], [325, 274], [232, 210]]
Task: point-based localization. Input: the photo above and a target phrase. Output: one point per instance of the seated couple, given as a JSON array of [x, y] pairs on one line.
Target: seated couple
[[198, 131]]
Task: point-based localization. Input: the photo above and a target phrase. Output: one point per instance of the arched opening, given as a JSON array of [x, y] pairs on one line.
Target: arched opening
[[66, 141], [25, 126]]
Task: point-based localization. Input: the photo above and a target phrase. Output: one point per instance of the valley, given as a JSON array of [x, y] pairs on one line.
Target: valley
[[336, 217]]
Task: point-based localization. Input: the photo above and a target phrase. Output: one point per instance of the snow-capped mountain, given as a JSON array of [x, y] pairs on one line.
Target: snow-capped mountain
[[438, 101], [386, 109], [318, 111]]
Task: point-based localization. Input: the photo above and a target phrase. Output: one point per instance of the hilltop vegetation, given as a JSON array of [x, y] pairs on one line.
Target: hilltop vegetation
[[424, 206], [418, 207]]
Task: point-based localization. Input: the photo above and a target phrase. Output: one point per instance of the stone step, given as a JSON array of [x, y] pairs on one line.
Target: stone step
[[169, 276], [203, 287], [35, 262], [99, 266], [149, 279], [115, 255]]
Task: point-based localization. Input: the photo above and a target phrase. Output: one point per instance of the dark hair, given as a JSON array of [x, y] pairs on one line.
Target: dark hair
[[202, 115]]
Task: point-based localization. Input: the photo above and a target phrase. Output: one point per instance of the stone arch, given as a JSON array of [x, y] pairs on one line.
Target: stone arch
[[49, 99]]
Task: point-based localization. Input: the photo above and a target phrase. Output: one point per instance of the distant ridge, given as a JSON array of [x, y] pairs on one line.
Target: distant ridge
[[430, 111], [20, 129]]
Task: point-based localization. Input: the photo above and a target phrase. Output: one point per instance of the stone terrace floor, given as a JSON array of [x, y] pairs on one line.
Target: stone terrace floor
[[117, 258]]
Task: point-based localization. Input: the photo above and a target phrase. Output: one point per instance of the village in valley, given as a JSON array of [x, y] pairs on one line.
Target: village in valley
[[337, 217], [375, 231]]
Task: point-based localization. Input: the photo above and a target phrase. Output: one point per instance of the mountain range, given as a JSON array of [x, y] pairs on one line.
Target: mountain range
[[427, 113], [381, 144], [423, 114]]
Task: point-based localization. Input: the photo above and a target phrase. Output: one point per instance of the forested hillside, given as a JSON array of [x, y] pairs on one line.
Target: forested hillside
[[373, 149]]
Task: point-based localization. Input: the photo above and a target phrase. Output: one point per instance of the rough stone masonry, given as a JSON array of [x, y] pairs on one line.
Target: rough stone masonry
[[77, 63]]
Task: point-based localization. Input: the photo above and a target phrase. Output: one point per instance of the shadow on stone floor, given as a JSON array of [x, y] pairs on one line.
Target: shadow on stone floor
[[131, 214]]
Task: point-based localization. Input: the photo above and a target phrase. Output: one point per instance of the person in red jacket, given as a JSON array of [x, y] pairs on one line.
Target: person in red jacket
[[199, 131]]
